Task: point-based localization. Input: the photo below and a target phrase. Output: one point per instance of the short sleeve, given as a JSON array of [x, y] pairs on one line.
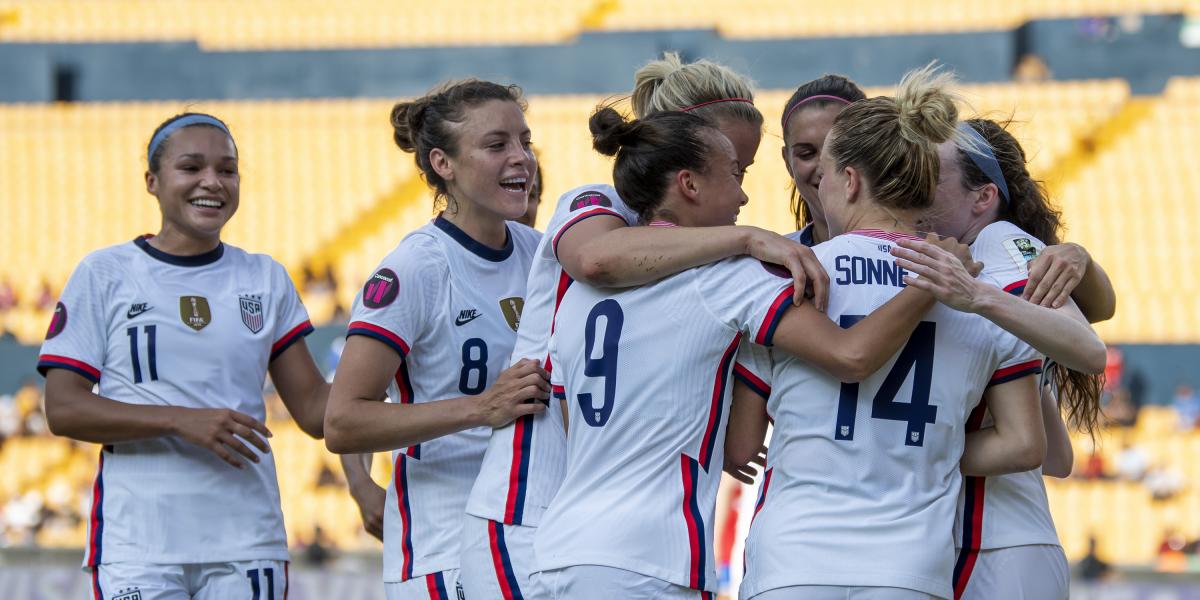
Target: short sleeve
[[1017, 359], [291, 322], [397, 300], [746, 295], [583, 203], [76, 337], [1005, 251], [753, 368]]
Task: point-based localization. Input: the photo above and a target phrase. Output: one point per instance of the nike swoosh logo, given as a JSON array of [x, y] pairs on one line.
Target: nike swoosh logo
[[461, 321], [133, 312]]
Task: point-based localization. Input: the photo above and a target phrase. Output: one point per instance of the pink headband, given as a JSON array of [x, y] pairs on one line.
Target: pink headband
[[695, 106], [791, 110]]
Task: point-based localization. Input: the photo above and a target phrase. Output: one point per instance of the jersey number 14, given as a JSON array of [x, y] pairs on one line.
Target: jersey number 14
[[917, 354]]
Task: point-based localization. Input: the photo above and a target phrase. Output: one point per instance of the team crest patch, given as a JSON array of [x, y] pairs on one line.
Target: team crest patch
[[133, 594], [58, 322], [590, 198], [511, 308], [252, 312], [1022, 251], [381, 289], [194, 312]]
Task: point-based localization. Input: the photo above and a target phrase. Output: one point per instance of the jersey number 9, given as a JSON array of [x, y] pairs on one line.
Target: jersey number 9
[[606, 365]]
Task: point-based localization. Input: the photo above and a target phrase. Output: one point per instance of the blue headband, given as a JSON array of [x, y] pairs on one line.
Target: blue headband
[[180, 123], [981, 154]]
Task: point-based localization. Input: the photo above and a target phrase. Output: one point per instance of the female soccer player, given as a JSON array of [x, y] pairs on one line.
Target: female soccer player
[[807, 118], [590, 239], [1007, 540], [434, 326], [864, 518], [644, 372], [180, 330]]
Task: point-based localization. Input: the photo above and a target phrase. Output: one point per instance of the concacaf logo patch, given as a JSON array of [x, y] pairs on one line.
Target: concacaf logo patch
[[1022, 251], [776, 270], [381, 289], [590, 198], [58, 322]]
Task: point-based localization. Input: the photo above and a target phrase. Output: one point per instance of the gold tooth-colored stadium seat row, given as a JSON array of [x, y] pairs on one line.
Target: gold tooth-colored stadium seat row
[[1131, 206], [376, 23], [74, 182], [293, 23], [781, 18]]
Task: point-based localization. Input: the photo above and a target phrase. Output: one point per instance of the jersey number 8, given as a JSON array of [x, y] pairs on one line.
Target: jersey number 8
[[606, 365]]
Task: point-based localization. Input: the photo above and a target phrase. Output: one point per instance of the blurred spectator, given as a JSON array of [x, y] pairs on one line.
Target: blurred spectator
[[1091, 568], [1163, 481], [1187, 406], [45, 298], [8, 296], [327, 478], [1172, 541], [1114, 367], [1132, 462], [1120, 411], [1031, 69], [1093, 467], [1135, 384], [317, 551]]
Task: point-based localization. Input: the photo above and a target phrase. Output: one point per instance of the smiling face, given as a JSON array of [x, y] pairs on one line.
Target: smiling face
[[197, 183], [494, 165], [719, 195], [806, 131]]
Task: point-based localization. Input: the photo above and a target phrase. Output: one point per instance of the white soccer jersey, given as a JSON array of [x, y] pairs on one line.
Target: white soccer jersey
[[450, 307], [524, 462], [862, 478], [645, 374], [196, 331], [1009, 510]]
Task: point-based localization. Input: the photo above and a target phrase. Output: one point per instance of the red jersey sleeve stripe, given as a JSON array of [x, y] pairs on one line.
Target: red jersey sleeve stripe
[[291, 337], [559, 392], [52, 361], [752, 381], [374, 331], [766, 333], [1016, 371], [595, 212]]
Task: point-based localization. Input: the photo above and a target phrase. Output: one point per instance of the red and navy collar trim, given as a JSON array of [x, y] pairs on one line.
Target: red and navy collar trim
[[474, 246], [197, 260], [884, 235]]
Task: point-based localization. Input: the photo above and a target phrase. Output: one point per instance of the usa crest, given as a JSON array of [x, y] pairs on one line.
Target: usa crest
[[511, 308], [252, 312], [133, 594], [194, 312]]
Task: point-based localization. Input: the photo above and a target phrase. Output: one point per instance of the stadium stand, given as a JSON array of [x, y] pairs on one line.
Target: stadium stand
[[778, 18], [229, 24], [226, 24], [326, 177]]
